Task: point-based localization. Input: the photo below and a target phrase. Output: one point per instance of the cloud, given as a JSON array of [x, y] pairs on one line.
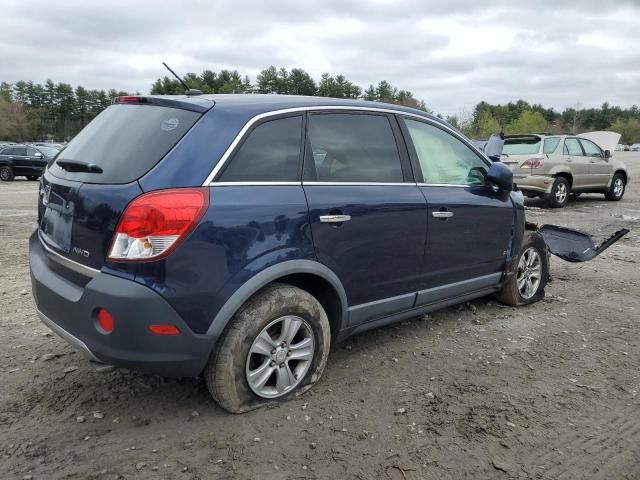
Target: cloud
[[451, 54]]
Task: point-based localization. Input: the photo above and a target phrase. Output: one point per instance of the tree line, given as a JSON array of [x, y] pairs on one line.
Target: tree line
[[522, 117], [287, 82], [32, 111]]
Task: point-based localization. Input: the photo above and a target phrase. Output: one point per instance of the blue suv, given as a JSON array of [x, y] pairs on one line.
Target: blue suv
[[239, 236]]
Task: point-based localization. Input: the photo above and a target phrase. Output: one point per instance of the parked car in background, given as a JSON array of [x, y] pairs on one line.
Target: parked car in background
[[299, 221], [635, 147], [554, 166], [24, 160]]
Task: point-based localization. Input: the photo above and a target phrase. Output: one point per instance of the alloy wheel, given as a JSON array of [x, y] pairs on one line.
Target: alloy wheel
[[5, 173], [280, 356], [618, 187], [529, 273], [561, 192]]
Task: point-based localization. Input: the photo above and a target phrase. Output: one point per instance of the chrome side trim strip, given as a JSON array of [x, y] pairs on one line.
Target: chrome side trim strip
[[68, 263], [66, 336], [338, 184], [254, 184], [365, 184], [354, 108], [448, 185]]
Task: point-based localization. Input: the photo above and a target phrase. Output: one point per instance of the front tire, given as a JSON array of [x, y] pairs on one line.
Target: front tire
[[6, 173], [618, 186], [275, 348], [527, 283], [559, 193]]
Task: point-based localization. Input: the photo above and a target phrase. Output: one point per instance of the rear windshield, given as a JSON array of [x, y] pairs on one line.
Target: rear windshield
[[521, 146], [125, 141]]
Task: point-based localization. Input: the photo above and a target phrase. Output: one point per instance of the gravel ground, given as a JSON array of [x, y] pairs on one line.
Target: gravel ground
[[475, 391]]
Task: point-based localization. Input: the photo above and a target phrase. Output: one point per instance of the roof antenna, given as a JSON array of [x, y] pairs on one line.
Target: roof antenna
[[188, 91]]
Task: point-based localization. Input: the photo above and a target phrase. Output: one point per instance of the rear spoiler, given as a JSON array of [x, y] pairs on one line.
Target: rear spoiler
[[184, 102]]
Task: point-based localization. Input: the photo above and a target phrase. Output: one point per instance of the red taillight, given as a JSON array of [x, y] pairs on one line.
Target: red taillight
[[533, 163], [105, 321], [164, 329], [153, 224]]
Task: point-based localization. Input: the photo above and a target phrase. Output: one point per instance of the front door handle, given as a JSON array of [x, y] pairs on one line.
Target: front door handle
[[442, 214], [334, 218]]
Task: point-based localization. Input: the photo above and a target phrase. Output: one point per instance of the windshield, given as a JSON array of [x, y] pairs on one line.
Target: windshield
[[521, 146], [125, 142]]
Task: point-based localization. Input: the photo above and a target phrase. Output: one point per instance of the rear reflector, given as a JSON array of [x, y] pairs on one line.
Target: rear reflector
[[533, 163], [105, 321], [164, 329], [153, 224]]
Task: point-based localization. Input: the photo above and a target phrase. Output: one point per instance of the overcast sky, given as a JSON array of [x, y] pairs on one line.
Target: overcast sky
[[452, 54]]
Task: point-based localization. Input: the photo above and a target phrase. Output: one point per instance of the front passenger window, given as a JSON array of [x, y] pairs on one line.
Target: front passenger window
[[591, 149], [443, 158]]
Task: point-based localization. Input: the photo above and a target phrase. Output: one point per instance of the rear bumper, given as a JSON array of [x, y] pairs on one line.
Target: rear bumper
[[540, 184], [69, 309]]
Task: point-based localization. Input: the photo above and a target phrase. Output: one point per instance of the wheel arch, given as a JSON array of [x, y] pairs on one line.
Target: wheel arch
[[566, 175], [309, 275], [623, 173]]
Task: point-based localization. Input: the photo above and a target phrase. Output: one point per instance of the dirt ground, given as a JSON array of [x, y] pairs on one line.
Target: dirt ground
[[475, 391]]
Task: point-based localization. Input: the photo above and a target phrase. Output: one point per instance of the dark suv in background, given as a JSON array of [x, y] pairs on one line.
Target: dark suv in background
[[239, 236], [24, 160]]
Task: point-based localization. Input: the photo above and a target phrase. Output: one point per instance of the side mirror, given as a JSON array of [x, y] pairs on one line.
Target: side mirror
[[501, 176], [38, 155], [607, 154]]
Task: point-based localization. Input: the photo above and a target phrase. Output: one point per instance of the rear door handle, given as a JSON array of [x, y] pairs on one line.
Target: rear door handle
[[334, 218], [442, 214]]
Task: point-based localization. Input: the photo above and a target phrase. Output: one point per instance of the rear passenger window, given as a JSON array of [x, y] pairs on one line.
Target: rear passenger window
[[550, 145], [572, 147], [352, 148], [271, 153]]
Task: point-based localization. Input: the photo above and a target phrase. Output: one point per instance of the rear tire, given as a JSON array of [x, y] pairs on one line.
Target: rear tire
[[527, 283], [617, 189], [6, 173], [559, 193], [255, 346]]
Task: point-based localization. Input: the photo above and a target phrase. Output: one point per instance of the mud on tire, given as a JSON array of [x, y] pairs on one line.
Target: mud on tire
[[226, 374]]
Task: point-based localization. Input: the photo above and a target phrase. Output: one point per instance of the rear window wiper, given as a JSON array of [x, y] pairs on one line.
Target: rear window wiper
[[75, 166]]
